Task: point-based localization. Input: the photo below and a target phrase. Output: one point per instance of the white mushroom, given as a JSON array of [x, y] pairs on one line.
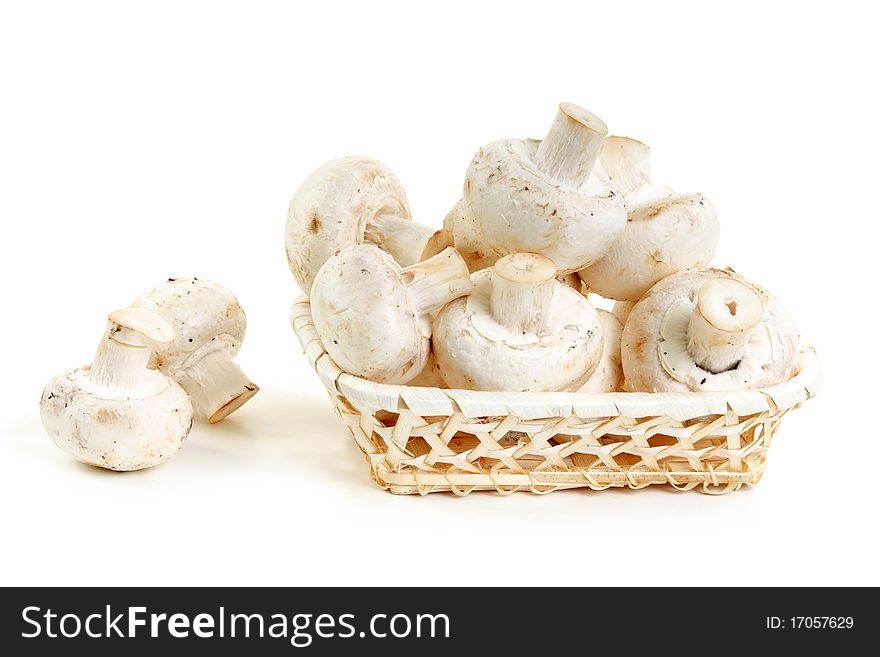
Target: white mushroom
[[351, 200], [209, 326], [117, 413], [373, 316], [461, 225], [520, 329], [547, 197], [608, 376], [665, 232], [708, 330]]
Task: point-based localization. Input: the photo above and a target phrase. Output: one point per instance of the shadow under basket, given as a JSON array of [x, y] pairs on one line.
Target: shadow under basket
[[426, 440]]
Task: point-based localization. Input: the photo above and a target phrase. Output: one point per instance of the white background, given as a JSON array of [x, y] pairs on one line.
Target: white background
[[145, 140]]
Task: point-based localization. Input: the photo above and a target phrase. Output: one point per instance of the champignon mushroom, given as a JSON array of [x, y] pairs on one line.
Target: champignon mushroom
[[665, 232], [117, 413], [351, 200], [707, 330], [547, 197], [373, 316], [209, 327], [520, 329], [608, 376]]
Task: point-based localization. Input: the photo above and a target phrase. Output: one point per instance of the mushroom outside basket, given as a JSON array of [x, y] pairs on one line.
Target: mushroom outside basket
[[425, 440]]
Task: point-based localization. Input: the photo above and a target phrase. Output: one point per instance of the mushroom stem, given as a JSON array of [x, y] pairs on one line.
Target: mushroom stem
[[522, 292], [407, 241], [719, 328], [627, 162], [216, 385], [124, 350], [434, 282], [571, 147]]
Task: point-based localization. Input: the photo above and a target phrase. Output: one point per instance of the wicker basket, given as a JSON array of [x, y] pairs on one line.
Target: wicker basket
[[425, 440]]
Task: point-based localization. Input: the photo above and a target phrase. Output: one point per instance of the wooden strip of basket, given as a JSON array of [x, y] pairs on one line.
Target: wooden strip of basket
[[425, 440]]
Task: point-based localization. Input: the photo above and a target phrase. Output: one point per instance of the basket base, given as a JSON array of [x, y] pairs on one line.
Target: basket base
[[710, 482]]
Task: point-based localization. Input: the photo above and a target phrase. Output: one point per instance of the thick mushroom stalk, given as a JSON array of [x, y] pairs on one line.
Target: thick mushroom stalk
[[216, 384], [125, 349], [434, 282], [725, 313], [522, 292], [569, 151], [407, 241]]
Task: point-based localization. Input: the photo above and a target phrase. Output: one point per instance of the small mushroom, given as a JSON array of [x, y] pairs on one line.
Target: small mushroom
[[209, 326], [520, 329], [117, 413], [708, 330], [665, 231], [608, 376], [348, 201], [374, 317], [546, 196]]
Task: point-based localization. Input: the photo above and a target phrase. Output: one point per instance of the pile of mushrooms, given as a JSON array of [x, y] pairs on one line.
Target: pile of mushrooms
[[161, 362], [502, 296]]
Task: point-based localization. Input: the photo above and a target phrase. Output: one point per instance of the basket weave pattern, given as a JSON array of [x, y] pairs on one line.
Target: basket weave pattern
[[424, 440]]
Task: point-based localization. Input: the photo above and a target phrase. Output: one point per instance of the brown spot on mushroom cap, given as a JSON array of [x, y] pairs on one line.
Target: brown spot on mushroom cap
[[314, 223], [105, 416]]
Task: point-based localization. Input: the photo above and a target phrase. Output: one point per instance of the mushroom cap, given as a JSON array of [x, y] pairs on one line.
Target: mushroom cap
[[519, 209], [665, 231], [466, 239], [112, 428], [365, 317], [203, 314], [475, 352], [655, 340], [331, 208], [608, 376]]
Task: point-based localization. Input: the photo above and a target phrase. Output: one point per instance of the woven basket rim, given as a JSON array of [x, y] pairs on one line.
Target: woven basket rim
[[367, 395]]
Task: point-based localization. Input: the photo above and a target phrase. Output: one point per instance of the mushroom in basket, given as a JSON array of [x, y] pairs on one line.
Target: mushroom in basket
[[708, 330], [665, 231], [348, 201], [543, 197], [374, 317], [520, 329]]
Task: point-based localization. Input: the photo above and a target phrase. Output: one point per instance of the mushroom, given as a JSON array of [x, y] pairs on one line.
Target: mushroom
[[461, 225], [665, 232], [547, 197], [117, 413], [608, 376], [374, 317], [351, 200], [708, 330], [520, 329], [209, 326]]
